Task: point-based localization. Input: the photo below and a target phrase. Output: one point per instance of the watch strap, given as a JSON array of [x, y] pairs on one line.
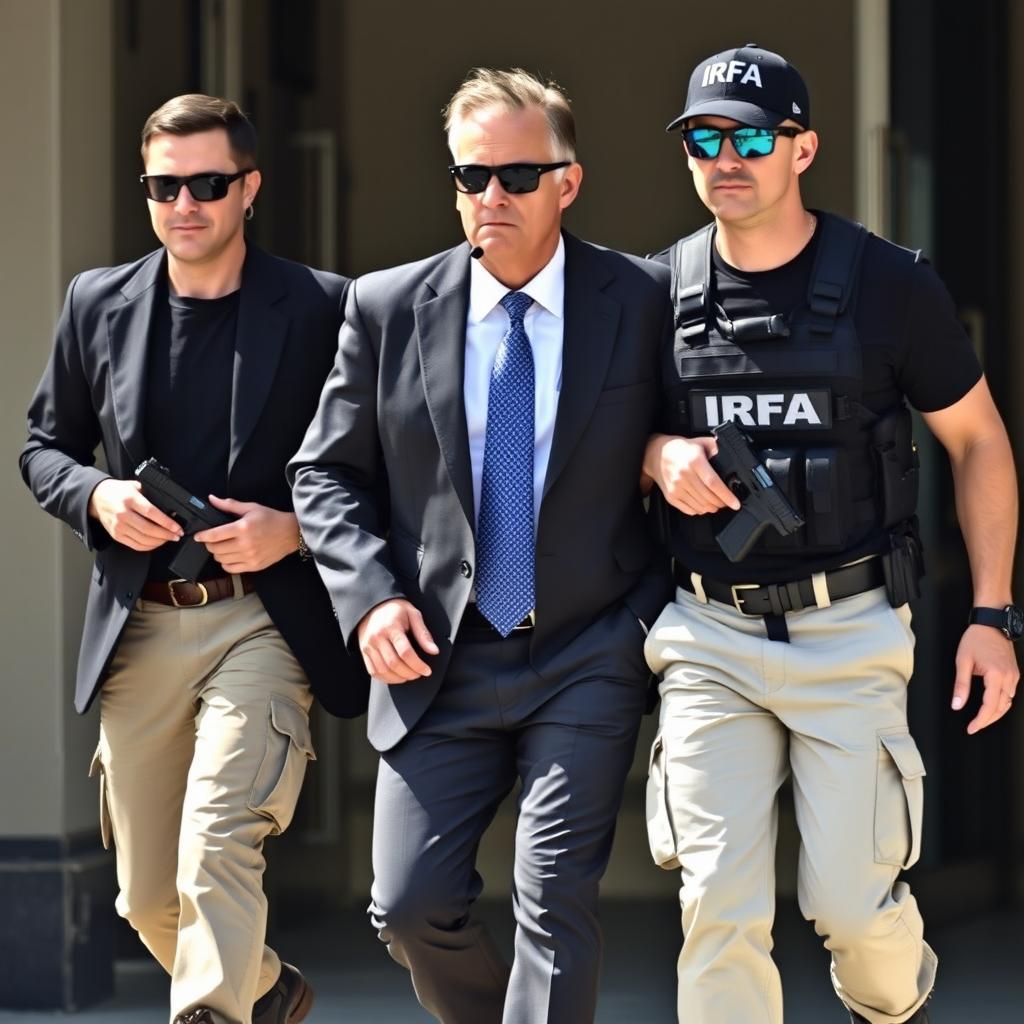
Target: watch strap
[[997, 618]]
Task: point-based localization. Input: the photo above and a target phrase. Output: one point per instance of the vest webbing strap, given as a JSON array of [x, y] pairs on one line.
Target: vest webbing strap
[[834, 276], [689, 259], [832, 284]]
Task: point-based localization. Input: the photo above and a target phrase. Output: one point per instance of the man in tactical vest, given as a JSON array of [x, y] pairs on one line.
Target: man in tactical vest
[[793, 656]]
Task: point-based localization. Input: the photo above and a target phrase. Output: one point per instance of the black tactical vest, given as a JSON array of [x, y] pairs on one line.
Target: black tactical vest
[[794, 385]]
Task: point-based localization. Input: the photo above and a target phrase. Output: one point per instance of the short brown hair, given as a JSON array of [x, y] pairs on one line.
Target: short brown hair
[[514, 90], [195, 112]]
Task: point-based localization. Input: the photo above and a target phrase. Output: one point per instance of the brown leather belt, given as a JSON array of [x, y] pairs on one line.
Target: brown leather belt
[[182, 594]]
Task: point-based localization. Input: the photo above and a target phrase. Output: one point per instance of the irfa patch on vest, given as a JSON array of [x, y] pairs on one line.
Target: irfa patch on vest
[[762, 409]]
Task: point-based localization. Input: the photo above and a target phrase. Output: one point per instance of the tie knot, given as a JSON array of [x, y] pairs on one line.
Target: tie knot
[[516, 304]]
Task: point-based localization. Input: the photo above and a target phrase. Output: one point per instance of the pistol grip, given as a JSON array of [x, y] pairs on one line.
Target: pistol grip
[[189, 561], [740, 534]]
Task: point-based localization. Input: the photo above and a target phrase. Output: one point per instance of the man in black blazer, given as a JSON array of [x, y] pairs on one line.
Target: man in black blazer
[[208, 355], [470, 490]]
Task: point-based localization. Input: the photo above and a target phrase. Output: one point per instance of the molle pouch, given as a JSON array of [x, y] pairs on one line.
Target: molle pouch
[[783, 464], [897, 463], [903, 566], [825, 503]]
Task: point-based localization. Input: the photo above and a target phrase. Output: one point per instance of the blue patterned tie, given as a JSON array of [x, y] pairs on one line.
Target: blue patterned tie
[[505, 541]]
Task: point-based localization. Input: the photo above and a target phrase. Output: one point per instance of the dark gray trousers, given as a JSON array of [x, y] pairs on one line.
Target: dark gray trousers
[[568, 731]]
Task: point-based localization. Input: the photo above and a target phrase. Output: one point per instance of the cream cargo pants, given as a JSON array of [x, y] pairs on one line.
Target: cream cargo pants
[[204, 739], [739, 713]]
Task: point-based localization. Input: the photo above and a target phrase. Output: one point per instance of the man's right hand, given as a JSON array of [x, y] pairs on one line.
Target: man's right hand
[[680, 467], [129, 517], [383, 635]]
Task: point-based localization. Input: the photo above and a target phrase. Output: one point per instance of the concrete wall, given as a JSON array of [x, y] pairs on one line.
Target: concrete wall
[[56, 931], [55, 205]]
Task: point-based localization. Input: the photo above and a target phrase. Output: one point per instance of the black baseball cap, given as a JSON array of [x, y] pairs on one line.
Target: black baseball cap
[[753, 86]]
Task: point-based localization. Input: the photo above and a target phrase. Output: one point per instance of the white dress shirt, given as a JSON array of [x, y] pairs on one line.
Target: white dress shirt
[[486, 324]]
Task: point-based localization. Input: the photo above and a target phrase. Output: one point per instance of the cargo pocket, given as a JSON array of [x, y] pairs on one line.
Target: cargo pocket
[[899, 800], [96, 768], [275, 790], [661, 832]]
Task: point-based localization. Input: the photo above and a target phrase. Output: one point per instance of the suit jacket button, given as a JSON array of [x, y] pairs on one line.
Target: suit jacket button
[[466, 569]]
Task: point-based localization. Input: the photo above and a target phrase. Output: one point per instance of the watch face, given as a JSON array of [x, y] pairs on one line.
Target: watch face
[[1014, 622]]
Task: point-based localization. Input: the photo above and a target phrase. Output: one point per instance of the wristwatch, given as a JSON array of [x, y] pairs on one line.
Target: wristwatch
[[1009, 620], [304, 553]]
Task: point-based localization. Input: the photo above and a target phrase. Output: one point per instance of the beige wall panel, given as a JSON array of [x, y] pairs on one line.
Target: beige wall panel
[[54, 56], [30, 730]]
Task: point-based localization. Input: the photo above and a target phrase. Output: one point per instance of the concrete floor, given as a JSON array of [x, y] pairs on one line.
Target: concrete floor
[[980, 980]]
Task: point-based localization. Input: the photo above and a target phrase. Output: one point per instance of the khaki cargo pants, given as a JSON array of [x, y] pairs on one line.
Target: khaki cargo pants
[[204, 740], [739, 713]]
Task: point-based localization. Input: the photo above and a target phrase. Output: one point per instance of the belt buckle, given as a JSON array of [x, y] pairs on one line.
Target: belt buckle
[[529, 621], [736, 599], [174, 596]]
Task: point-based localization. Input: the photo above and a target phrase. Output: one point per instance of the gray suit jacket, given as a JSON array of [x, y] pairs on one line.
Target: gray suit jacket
[[382, 482]]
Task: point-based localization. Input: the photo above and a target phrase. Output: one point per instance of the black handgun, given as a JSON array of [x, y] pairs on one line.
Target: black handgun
[[191, 512], [763, 504]]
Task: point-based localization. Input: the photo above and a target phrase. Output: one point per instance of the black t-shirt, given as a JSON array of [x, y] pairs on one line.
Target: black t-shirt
[[912, 345], [188, 401]]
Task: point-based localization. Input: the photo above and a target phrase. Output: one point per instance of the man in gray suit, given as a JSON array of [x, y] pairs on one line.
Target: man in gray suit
[[470, 490]]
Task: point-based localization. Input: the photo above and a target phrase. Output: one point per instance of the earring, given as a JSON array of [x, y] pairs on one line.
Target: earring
[[249, 212]]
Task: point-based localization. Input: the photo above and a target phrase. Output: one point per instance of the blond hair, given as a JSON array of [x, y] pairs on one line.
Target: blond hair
[[514, 90]]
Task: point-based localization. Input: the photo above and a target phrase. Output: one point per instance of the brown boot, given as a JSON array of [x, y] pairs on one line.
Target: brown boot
[[921, 1017], [288, 1001]]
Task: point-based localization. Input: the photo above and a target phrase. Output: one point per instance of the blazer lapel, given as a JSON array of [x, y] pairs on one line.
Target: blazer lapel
[[441, 336], [128, 332], [591, 327], [259, 341]]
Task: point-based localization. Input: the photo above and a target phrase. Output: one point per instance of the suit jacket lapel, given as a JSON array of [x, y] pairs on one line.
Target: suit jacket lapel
[[259, 341], [441, 336], [591, 326], [128, 332]]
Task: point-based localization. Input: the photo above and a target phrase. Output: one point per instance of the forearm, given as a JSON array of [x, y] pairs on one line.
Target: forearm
[[63, 487], [986, 505], [650, 473]]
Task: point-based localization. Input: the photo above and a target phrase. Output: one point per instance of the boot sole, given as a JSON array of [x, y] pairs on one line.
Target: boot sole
[[302, 1006]]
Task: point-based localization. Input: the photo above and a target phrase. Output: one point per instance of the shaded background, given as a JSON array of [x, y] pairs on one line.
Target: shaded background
[[914, 102]]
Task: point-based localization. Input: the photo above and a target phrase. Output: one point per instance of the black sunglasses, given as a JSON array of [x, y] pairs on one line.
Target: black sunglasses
[[514, 178], [749, 143], [203, 188]]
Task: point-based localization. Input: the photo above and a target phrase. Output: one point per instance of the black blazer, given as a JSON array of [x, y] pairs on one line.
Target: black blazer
[[383, 485], [92, 393]]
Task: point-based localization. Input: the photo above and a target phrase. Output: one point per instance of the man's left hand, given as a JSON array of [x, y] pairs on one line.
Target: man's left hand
[[985, 652], [260, 536]]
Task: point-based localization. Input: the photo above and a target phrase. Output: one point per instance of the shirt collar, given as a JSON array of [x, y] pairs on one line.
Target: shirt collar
[[547, 288]]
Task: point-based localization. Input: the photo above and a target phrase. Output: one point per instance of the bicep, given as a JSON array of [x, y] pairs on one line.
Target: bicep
[[967, 421]]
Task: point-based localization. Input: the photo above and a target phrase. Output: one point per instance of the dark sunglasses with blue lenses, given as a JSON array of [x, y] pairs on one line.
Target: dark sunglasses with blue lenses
[[203, 188], [706, 143], [514, 178]]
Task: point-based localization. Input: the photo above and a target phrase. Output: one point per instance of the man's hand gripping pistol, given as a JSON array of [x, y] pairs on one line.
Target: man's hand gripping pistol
[[193, 513], [763, 504]]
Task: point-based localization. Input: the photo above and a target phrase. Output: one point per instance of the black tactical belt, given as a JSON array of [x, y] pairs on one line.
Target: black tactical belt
[[779, 598], [475, 628]]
